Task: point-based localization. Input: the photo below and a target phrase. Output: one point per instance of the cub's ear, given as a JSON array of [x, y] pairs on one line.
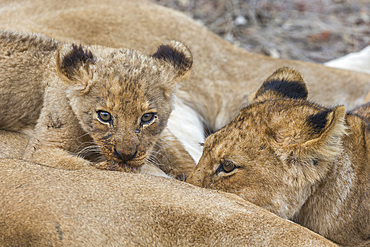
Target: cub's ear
[[178, 56], [283, 83], [325, 131], [74, 65]]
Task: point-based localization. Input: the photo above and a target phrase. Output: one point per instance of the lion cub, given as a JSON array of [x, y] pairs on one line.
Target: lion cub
[[88, 103], [302, 161]]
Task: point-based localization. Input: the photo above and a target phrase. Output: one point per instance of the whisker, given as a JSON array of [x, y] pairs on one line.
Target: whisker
[[82, 136], [93, 149], [85, 144], [99, 159], [153, 156]]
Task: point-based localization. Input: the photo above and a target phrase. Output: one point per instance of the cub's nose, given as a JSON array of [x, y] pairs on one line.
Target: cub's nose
[[125, 154]]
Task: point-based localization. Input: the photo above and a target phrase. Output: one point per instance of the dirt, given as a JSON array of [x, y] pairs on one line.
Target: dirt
[[308, 30]]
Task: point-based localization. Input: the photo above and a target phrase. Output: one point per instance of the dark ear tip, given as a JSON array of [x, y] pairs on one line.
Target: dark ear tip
[[72, 56], [177, 54], [77, 55], [319, 120], [284, 83]]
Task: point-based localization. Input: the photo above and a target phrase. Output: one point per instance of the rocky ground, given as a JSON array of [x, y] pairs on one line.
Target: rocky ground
[[308, 30]]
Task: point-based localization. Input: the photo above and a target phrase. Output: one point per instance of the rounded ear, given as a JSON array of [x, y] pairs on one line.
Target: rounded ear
[[74, 65], [283, 83], [327, 129], [178, 56]]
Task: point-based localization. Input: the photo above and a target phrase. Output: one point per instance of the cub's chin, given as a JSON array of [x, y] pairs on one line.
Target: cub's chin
[[111, 165], [135, 163]]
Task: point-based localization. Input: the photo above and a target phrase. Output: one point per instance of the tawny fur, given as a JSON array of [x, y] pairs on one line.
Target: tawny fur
[[43, 206], [301, 161], [12, 144], [61, 89], [214, 91], [224, 76], [363, 111]]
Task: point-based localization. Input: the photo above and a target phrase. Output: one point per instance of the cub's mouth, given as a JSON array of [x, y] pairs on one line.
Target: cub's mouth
[[132, 166], [134, 160], [119, 160], [134, 163]]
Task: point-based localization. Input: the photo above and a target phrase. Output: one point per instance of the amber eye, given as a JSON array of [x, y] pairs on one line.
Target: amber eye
[[104, 116], [147, 118], [226, 166]]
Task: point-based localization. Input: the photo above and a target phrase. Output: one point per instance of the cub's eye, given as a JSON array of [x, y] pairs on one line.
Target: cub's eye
[[104, 116], [147, 118], [226, 166]]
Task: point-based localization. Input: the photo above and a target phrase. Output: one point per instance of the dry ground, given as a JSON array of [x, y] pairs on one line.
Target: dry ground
[[308, 30]]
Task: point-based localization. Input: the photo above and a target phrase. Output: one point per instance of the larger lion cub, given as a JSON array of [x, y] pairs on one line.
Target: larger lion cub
[[301, 161], [88, 103]]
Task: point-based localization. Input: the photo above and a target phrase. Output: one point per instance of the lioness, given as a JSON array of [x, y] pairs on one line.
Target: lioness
[[301, 161], [90, 103], [43, 206]]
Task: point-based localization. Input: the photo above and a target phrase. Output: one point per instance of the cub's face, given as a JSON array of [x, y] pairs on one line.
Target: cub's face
[[123, 99], [273, 153], [245, 157]]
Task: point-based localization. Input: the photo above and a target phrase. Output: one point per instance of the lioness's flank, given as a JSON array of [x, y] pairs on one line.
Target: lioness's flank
[[301, 161], [42, 206], [88, 103]]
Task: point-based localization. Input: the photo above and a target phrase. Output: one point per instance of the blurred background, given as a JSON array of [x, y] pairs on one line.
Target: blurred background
[[308, 30]]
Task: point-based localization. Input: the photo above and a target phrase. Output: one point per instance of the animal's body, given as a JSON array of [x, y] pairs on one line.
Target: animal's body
[[224, 76], [42, 206], [90, 103], [301, 161]]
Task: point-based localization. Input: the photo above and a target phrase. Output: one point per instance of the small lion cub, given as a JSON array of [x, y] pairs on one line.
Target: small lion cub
[[88, 104], [301, 161]]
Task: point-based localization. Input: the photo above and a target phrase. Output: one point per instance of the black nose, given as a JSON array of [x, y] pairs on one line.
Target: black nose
[[126, 155]]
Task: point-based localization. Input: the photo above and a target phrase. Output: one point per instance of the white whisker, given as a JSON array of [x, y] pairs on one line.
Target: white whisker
[[153, 157], [86, 134], [92, 149]]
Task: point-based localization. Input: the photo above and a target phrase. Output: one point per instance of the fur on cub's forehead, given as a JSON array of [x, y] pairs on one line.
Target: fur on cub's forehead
[[109, 65], [275, 120], [128, 66], [126, 77], [122, 75], [85, 66]]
